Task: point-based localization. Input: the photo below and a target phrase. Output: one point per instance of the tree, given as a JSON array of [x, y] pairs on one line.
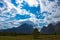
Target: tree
[[35, 33]]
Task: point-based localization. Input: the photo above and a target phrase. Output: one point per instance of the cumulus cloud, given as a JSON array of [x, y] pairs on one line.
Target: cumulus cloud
[[32, 2], [49, 13], [50, 7], [8, 16]]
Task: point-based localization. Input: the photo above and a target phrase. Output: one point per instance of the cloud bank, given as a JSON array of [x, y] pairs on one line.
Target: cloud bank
[[40, 12]]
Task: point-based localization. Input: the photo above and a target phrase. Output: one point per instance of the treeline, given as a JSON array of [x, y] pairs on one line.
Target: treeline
[[8, 33], [35, 32], [12, 34]]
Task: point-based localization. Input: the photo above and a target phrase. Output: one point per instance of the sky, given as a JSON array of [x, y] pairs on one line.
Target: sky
[[40, 12]]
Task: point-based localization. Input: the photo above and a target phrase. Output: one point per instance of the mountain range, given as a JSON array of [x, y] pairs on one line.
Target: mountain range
[[27, 28], [51, 29]]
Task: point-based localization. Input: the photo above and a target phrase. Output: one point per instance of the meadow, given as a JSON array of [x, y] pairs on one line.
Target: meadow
[[31, 37]]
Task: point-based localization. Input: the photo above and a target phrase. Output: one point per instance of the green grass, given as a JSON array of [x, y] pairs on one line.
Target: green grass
[[31, 37]]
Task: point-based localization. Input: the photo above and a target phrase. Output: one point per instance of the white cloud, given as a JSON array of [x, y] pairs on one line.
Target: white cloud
[[32, 2], [49, 7], [8, 22]]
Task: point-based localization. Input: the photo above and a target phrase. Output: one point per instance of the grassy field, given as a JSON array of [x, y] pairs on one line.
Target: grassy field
[[30, 37]]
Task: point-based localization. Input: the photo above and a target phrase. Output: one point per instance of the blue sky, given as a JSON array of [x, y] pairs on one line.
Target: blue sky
[[40, 12]]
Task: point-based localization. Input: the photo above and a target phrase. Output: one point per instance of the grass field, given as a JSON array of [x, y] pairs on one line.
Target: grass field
[[30, 37]]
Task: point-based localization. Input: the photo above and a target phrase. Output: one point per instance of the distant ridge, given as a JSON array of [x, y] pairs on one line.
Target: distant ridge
[[25, 28], [51, 29]]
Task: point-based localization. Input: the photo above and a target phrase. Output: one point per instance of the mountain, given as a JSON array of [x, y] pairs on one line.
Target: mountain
[[57, 28], [48, 30], [25, 28], [51, 29]]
